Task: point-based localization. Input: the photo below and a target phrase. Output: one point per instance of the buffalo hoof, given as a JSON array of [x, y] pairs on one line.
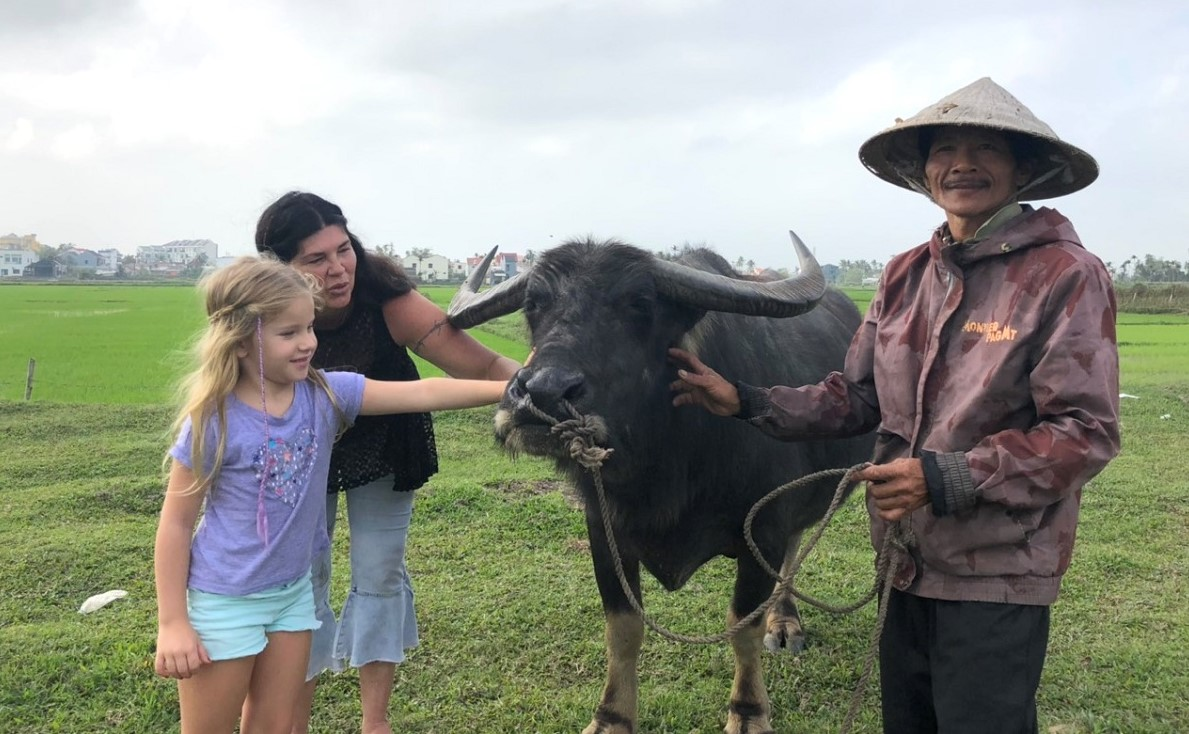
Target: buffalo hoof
[[750, 728], [602, 727], [785, 635], [747, 720], [610, 724]]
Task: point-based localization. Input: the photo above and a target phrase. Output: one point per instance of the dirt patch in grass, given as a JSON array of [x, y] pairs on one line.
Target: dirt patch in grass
[[518, 488], [578, 545]]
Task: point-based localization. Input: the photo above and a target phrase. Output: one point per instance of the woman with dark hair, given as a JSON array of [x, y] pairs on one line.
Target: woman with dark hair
[[371, 317]]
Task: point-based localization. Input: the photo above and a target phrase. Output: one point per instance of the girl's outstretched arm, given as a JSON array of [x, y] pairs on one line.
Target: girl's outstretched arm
[[432, 393], [179, 651]]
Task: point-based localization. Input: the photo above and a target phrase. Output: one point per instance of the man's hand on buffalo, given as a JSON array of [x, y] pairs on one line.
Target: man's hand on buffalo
[[697, 384]]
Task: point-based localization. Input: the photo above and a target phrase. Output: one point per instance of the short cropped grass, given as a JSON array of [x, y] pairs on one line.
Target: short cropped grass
[[510, 618]]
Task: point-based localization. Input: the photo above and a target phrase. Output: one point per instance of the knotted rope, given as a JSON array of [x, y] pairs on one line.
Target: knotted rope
[[578, 435]]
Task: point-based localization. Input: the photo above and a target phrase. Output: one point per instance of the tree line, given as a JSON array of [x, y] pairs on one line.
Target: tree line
[[1150, 269], [857, 273]]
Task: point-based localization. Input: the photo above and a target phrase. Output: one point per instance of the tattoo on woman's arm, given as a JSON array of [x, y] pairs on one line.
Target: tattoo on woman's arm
[[432, 330]]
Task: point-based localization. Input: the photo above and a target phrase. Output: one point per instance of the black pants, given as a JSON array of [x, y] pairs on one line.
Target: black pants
[[961, 667]]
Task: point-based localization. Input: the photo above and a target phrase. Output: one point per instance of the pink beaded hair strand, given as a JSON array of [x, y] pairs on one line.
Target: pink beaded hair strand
[[261, 515]]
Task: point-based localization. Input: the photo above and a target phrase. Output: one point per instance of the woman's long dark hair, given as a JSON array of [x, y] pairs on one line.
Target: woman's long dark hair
[[289, 220]]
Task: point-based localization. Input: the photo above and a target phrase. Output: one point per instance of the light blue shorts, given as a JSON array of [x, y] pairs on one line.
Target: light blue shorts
[[238, 626]]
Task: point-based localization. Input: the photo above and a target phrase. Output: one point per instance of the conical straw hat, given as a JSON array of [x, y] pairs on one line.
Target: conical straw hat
[[1061, 168]]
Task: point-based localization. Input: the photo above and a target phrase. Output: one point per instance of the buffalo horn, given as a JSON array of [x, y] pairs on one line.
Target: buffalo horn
[[470, 308], [713, 292]]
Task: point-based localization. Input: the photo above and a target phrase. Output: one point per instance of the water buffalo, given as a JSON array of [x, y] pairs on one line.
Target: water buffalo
[[679, 482]]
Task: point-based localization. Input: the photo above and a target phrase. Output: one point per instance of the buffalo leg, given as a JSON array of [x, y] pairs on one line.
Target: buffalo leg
[[750, 709], [624, 634], [784, 631]]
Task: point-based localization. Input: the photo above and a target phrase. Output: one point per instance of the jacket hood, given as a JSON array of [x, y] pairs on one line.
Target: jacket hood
[[1034, 227]]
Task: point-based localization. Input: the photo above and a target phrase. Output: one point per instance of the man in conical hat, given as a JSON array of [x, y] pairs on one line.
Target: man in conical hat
[[987, 363]]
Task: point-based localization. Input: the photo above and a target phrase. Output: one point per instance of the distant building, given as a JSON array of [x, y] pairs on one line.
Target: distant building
[[44, 270], [510, 262], [429, 269], [81, 259], [503, 266], [12, 241], [109, 261], [13, 262], [179, 253]]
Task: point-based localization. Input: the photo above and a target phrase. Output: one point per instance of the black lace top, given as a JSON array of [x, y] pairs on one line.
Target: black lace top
[[376, 445]]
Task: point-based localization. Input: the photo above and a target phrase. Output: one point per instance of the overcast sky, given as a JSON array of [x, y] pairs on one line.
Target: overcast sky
[[456, 125]]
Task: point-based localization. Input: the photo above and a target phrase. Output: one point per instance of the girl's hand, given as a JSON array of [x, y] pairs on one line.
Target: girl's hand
[[179, 651]]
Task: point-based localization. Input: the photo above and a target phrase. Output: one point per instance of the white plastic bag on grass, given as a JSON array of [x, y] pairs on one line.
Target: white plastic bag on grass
[[101, 600]]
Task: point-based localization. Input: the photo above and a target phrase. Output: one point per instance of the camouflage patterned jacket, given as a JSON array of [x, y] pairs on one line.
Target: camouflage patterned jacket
[[995, 361]]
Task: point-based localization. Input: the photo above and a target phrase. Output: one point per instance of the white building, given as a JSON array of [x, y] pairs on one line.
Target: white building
[[109, 261], [430, 269], [13, 262], [178, 252]]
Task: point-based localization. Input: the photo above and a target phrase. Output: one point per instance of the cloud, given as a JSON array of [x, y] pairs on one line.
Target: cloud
[[79, 141], [198, 73], [458, 125], [21, 135], [20, 20]]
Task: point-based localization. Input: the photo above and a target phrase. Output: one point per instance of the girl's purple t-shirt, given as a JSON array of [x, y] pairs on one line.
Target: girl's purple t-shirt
[[228, 554]]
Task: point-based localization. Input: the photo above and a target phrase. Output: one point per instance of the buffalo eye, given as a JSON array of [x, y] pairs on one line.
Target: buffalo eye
[[640, 309], [537, 300]]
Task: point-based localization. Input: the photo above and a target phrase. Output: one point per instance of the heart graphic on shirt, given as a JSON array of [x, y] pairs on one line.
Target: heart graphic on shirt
[[283, 467]]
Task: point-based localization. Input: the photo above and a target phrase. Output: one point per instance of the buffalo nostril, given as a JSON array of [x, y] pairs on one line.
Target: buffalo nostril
[[548, 387]]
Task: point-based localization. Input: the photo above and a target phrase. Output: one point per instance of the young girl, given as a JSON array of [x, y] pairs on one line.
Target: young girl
[[235, 603]]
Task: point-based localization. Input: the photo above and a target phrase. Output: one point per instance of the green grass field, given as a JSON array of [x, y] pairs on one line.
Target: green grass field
[[96, 344], [511, 622], [117, 344]]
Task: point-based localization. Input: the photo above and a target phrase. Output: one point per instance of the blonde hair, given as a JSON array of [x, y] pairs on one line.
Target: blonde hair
[[239, 297]]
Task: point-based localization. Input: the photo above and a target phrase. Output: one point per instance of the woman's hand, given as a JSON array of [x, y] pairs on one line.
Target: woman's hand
[[697, 384]]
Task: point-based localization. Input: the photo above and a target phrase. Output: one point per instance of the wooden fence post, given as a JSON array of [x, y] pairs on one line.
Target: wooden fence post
[[29, 379]]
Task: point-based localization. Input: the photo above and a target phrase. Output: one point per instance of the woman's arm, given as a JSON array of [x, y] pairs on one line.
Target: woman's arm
[[179, 651], [432, 393], [417, 323]]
